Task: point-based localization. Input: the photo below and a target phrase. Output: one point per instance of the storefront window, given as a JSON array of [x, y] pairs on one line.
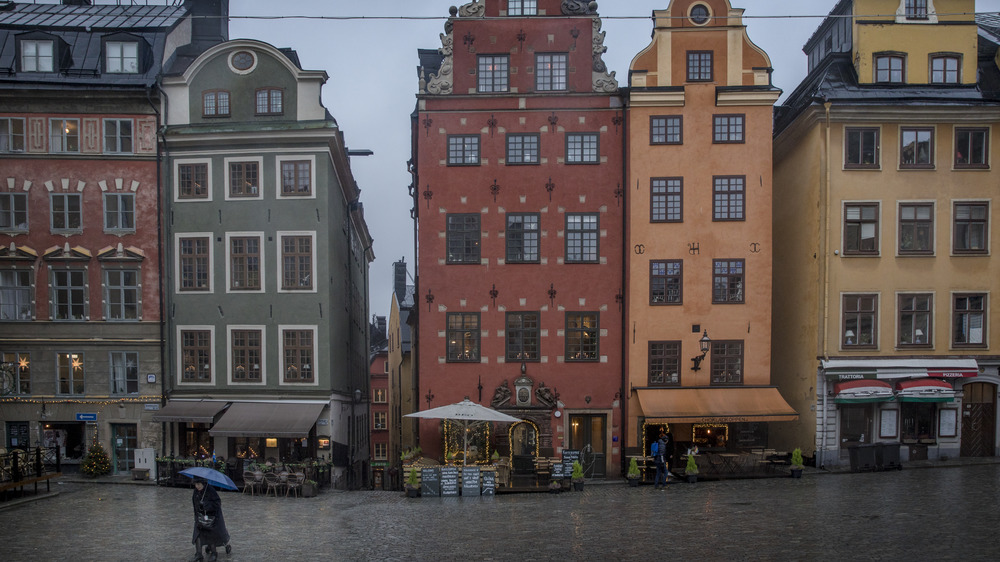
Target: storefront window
[[918, 420], [195, 441], [67, 436], [248, 448], [855, 424], [710, 435]]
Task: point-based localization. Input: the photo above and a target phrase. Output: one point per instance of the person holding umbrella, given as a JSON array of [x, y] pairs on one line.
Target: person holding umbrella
[[209, 524]]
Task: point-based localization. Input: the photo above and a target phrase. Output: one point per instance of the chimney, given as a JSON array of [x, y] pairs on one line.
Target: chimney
[[399, 279], [380, 325], [210, 20]]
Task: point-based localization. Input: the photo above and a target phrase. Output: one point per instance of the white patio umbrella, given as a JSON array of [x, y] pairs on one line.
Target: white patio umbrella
[[468, 414]]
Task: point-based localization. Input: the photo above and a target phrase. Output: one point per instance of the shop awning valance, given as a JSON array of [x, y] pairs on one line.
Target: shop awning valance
[[264, 419], [925, 390], [716, 404], [862, 391], [852, 369], [196, 411]]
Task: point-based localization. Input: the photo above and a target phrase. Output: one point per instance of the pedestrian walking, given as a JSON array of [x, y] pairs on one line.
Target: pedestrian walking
[[660, 455], [209, 524]]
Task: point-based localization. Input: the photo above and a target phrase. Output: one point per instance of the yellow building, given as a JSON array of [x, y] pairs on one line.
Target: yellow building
[[883, 188], [699, 245]]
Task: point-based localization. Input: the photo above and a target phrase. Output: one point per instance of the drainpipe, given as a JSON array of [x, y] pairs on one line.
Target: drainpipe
[[161, 148], [624, 398], [824, 325]]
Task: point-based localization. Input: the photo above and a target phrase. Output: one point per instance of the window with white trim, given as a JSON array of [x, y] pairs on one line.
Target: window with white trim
[[124, 372], [64, 135], [118, 136], [14, 212], [119, 212], [37, 56], [121, 57], [70, 373], [15, 294], [67, 214], [11, 134], [121, 294]]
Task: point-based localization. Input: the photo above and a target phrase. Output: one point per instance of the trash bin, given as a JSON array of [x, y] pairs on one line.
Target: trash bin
[[887, 456], [862, 457]]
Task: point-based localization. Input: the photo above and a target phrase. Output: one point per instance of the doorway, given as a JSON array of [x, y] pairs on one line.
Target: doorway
[[979, 420], [123, 444], [587, 433]]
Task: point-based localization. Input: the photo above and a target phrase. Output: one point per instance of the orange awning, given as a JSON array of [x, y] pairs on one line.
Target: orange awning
[[720, 405]]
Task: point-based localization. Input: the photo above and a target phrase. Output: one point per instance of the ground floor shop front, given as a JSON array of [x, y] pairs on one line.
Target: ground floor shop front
[[931, 408]]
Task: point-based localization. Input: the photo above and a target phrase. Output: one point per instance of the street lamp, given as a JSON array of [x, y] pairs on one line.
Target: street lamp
[[705, 343]]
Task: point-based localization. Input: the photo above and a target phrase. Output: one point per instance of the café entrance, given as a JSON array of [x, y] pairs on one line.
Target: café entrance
[[587, 433]]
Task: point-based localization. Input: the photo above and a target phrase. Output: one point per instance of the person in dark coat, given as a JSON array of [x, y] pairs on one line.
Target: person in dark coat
[[206, 501]]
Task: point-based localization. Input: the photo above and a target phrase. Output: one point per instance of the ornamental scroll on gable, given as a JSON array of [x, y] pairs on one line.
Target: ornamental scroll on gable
[[603, 80], [442, 82]]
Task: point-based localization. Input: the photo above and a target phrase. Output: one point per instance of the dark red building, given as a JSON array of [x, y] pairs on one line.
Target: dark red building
[[517, 164], [378, 393]]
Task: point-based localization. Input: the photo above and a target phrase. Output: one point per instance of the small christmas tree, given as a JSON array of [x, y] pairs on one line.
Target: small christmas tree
[[96, 463]]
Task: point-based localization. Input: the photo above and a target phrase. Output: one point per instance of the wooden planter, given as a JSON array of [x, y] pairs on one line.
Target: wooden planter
[[309, 490]]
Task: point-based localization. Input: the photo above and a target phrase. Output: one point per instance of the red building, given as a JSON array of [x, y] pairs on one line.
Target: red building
[[378, 393], [517, 163]]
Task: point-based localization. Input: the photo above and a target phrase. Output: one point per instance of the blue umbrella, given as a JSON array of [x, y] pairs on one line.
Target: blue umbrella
[[212, 476]]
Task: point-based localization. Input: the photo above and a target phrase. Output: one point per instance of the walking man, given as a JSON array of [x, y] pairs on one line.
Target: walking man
[[660, 454]]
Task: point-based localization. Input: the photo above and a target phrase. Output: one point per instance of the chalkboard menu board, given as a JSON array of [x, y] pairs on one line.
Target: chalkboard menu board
[[557, 472], [489, 482], [449, 481], [568, 456], [470, 481], [430, 482]]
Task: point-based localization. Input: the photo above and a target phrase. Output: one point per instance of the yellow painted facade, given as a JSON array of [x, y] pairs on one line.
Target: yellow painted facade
[[661, 90], [817, 182]]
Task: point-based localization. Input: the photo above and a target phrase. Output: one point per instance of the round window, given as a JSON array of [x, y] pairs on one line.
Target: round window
[[699, 14], [242, 60]]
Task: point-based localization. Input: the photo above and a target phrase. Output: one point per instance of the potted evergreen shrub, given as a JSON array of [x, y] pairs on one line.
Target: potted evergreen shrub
[[309, 489], [691, 470], [797, 463], [633, 473], [412, 485], [577, 477]]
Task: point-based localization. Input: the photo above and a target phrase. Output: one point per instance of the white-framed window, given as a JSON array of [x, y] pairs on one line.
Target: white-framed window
[[37, 56], [193, 180], [15, 294], [243, 177], [195, 357], [296, 176], [122, 295], [380, 451], [118, 136], [64, 135], [124, 372], [245, 262], [298, 354], [195, 261], [66, 212], [21, 370], [297, 263], [380, 395], [70, 373], [522, 7], [13, 212], [379, 420], [247, 354], [11, 134], [69, 295], [119, 212], [121, 57]]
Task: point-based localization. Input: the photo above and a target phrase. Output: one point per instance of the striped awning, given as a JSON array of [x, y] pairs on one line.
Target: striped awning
[[925, 390], [862, 391]]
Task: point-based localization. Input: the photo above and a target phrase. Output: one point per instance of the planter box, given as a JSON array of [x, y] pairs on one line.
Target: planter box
[[140, 474]]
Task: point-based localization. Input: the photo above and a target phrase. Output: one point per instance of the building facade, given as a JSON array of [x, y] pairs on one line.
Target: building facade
[[882, 204], [380, 437], [80, 304], [402, 384], [517, 164], [699, 244], [267, 255]]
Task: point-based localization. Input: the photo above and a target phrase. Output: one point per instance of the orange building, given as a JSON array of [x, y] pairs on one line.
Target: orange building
[[698, 229]]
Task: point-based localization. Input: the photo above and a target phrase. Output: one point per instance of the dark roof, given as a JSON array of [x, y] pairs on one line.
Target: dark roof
[[835, 80], [430, 62], [79, 30], [104, 17], [838, 9]]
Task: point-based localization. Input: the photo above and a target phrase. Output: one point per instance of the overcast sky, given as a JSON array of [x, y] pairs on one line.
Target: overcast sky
[[373, 81]]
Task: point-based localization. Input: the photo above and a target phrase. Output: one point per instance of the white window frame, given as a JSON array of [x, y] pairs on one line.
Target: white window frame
[[11, 213], [280, 265], [67, 214], [117, 149], [177, 179], [278, 160], [25, 291], [263, 261], [263, 353], [121, 197], [178, 236], [54, 293], [180, 353], [522, 8], [8, 135], [122, 58], [260, 177], [63, 136], [125, 355], [83, 368], [137, 289], [281, 354], [36, 58]]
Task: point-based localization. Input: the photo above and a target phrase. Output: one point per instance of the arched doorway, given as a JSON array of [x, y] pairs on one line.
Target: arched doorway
[[523, 446], [979, 408]]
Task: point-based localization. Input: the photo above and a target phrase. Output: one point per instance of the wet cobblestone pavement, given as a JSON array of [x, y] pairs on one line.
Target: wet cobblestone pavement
[[936, 514]]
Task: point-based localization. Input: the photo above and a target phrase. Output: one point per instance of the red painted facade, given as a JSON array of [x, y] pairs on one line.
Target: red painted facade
[[378, 393], [490, 287]]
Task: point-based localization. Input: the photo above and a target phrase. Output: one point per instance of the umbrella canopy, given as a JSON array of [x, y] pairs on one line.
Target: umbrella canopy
[[467, 413], [212, 476]]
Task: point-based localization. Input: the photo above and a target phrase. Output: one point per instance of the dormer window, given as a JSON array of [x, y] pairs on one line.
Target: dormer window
[[522, 7], [215, 103], [916, 9], [36, 56], [269, 101], [121, 57], [945, 69]]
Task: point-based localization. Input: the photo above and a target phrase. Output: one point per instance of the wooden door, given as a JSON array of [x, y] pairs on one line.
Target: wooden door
[[979, 420]]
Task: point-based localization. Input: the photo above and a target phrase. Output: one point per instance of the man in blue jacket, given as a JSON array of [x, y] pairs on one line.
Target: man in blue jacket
[[661, 452]]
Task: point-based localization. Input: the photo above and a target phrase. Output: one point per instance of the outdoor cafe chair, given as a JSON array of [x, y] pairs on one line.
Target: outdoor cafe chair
[[295, 481], [250, 482], [271, 479]]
